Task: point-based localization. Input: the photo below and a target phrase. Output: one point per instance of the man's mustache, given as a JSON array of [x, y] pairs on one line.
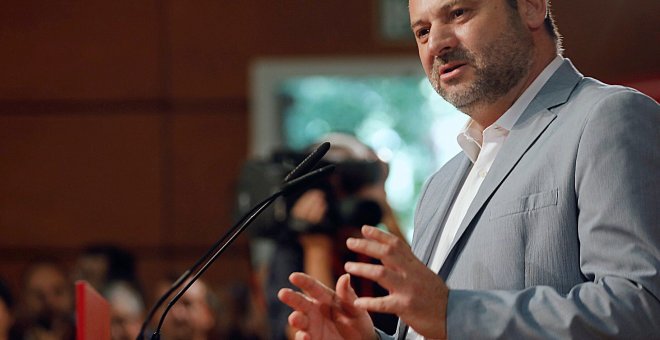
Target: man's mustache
[[454, 55]]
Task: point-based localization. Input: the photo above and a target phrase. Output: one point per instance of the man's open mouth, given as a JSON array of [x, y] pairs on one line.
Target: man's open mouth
[[450, 67]]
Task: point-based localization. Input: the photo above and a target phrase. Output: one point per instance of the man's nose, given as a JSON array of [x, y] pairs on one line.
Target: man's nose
[[442, 39]]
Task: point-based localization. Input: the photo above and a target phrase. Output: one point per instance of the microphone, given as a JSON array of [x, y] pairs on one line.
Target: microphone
[[308, 178], [299, 177], [309, 162]]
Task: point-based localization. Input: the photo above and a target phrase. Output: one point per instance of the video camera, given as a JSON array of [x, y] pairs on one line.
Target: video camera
[[260, 178]]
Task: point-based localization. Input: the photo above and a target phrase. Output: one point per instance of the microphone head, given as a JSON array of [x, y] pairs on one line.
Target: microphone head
[[309, 162], [306, 179]]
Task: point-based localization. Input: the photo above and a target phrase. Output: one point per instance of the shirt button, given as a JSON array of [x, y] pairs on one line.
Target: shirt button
[[483, 173]]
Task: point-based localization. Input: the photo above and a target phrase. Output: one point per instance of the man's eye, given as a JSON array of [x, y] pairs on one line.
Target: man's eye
[[422, 32], [457, 13]]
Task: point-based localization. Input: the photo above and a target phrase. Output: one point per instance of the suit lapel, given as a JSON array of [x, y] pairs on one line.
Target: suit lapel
[[529, 127], [425, 242], [430, 234]]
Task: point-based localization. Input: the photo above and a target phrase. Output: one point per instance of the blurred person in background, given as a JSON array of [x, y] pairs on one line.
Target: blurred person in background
[[101, 264], [237, 318], [193, 317], [6, 312], [127, 310], [322, 218], [46, 309]]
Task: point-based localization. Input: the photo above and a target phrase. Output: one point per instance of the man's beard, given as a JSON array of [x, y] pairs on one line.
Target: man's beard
[[499, 67]]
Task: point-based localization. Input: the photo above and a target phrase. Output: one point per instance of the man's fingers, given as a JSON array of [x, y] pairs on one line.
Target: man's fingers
[[294, 300], [344, 289], [312, 287], [367, 247], [347, 295], [381, 245], [386, 304], [300, 335], [376, 234], [374, 272], [299, 320]]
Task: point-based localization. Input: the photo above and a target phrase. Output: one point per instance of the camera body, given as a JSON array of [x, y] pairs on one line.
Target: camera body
[[345, 208]]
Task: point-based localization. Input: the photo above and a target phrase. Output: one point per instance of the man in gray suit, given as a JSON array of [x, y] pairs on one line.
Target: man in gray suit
[[546, 226]]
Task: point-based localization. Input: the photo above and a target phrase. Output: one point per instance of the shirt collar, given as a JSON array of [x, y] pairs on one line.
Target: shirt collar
[[470, 138]]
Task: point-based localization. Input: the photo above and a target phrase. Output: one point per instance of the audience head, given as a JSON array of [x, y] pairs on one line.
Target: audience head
[[47, 302], [127, 310], [193, 316], [102, 264], [6, 306]]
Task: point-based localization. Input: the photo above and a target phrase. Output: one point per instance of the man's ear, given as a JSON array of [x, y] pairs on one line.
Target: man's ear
[[533, 12]]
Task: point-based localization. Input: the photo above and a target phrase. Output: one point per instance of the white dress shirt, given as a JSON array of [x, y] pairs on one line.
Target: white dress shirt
[[481, 149]]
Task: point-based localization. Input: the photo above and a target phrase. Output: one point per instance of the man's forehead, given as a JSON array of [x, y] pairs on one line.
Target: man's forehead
[[443, 3], [419, 8]]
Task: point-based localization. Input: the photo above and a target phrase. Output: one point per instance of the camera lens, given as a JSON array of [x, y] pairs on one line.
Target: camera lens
[[356, 212]]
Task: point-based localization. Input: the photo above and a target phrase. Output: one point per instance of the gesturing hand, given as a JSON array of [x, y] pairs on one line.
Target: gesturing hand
[[416, 294], [321, 313]]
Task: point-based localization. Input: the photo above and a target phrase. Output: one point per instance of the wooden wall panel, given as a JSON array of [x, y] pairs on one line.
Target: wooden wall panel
[[71, 179], [208, 149], [317, 27], [214, 42], [614, 41], [209, 47], [79, 50]]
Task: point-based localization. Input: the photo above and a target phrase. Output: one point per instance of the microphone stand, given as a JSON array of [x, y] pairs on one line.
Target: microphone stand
[[291, 180], [229, 237], [235, 231], [189, 271]]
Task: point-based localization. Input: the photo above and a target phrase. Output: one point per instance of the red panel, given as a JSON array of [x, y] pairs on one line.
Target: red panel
[[92, 313]]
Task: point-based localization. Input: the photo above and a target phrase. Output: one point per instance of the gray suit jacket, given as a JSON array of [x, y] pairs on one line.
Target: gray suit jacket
[[563, 237]]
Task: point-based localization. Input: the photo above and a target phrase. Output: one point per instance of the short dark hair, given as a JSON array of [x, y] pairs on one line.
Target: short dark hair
[[121, 262], [5, 294], [550, 25]]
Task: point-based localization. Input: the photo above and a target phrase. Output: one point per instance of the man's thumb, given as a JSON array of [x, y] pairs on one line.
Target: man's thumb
[[345, 291]]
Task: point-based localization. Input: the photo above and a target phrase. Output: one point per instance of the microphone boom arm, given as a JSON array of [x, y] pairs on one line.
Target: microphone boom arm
[[235, 231], [226, 240]]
